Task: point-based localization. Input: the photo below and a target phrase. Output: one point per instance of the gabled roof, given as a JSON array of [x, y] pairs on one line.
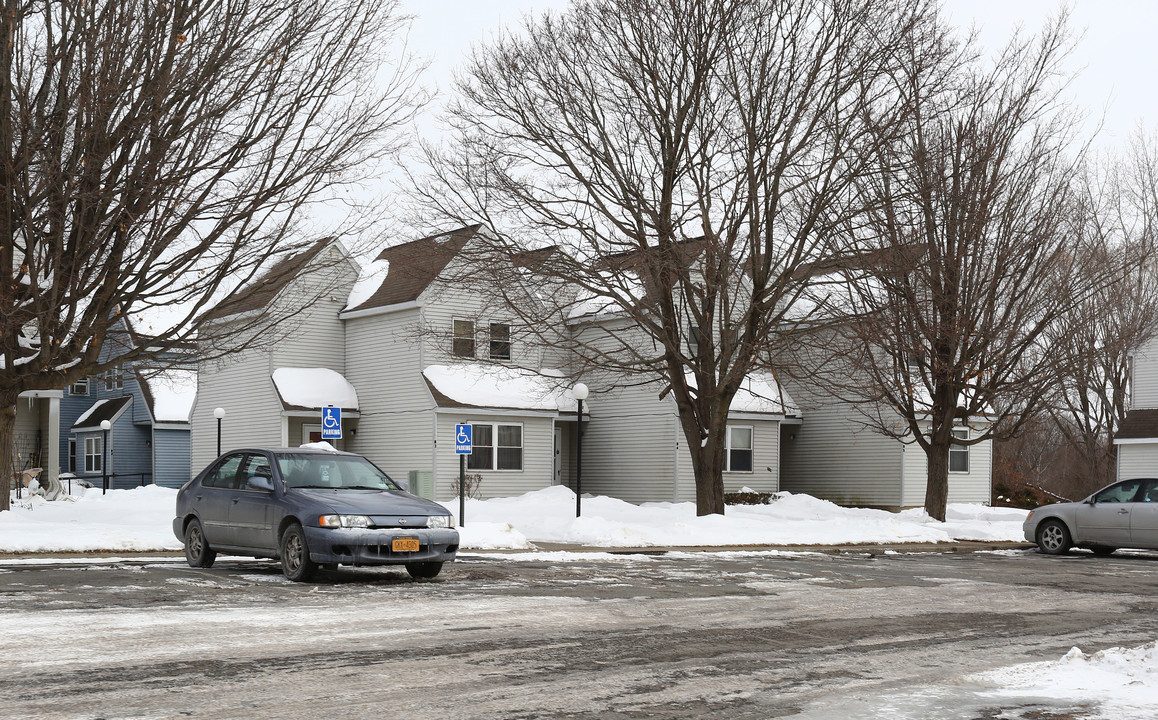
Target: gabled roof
[[415, 265], [109, 409], [1139, 425], [169, 393], [262, 291]]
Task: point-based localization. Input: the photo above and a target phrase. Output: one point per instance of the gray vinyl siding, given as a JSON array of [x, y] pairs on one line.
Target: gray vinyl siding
[[317, 336], [538, 444], [443, 305], [171, 457], [383, 363], [974, 486], [834, 457], [1144, 388], [629, 445], [241, 384], [1137, 460]]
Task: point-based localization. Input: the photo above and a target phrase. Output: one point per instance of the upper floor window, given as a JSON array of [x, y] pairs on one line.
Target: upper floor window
[[115, 378], [739, 449], [500, 341], [80, 387], [464, 338], [959, 454]]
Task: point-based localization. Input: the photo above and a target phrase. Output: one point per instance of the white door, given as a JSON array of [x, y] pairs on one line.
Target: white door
[[311, 434]]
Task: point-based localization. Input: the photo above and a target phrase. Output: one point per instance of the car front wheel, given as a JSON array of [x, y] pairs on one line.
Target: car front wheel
[[423, 570], [1053, 538], [197, 552], [295, 555]]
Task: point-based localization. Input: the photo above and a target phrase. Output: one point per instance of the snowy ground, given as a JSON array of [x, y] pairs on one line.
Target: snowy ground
[[140, 520]]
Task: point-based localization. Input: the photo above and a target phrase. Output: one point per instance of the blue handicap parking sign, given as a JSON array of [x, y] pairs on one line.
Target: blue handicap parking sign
[[463, 436], [331, 423]]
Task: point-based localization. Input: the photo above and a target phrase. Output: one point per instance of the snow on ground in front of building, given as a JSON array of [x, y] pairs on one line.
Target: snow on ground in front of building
[[140, 520]]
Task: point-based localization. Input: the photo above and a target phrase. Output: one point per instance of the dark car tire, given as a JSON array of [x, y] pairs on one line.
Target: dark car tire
[[1102, 550], [295, 555], [197, 552], [1053, 537], [423, 570]]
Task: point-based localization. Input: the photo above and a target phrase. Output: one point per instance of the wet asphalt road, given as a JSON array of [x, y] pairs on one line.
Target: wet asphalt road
[[679, 635]]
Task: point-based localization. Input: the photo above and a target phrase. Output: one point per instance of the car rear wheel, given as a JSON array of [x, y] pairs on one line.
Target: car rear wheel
[[423, 570], [197, 552], [295, 555], [1053, 538]]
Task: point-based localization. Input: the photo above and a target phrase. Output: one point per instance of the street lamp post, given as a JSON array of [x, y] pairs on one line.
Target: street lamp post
[[219, 413], [105, 426], [580, 393]]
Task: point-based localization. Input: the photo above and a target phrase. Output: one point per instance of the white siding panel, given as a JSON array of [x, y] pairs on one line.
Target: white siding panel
[[1137, 460], [538, 446], [241, 385], [397, 423], [317, 336], [974, 486], [835, 457], [1145, 380], [629, 445]]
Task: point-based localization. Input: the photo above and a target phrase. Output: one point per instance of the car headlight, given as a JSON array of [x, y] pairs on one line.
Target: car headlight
[[440, 521], [344, 521]]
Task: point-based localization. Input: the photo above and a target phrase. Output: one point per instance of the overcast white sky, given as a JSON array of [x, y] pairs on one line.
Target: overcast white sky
[[1117, 57]]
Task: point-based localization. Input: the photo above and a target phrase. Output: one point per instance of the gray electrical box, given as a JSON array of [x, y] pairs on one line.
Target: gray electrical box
[[422, 483]]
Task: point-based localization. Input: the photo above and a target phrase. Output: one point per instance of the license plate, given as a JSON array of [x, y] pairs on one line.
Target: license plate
[[405, 545]]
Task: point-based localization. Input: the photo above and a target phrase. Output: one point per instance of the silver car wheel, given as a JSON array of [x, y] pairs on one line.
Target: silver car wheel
[[1053, 538]]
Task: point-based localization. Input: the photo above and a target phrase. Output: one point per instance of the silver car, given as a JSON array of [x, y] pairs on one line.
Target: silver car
[[1123, 515]]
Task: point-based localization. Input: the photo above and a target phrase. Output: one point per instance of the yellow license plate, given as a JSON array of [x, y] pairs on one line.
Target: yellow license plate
[[405, 545]]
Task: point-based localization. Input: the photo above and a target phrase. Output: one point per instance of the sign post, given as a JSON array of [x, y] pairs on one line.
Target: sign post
[[331, 423], [463, 439]]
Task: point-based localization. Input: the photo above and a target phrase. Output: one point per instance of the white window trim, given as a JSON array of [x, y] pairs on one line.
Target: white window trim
[[953, 448], [495, 448], [728, 448], [86, 382], [454, 337], [98, 456]]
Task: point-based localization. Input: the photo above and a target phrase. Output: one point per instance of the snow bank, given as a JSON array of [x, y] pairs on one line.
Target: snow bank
[[1121, 683], [140, 520]]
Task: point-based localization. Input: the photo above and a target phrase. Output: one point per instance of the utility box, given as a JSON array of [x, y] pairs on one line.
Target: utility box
[[422, 483]]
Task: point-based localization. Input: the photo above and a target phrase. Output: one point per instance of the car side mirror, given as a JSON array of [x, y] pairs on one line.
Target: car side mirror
[[260, 482], [1091, 501], [404, 484]]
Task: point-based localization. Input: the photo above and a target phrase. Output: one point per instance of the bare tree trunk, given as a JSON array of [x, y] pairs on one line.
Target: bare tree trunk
[[7, 440], [937, 486]]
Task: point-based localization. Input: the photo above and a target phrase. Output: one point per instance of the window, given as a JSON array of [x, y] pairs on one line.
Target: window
[[72, 455], [1120, 493], [464, 338], [93, 454], [115, 378], [959, 454], [487, 454], [225, 474], [80, 387], [739, 449], [500, 341], [695, 341]]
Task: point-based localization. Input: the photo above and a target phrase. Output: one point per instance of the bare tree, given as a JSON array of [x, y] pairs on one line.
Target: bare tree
[[1091, 350], [975, 246], [155, 154], [686, 157]]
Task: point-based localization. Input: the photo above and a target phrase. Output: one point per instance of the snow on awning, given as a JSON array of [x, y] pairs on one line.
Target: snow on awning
[[109, 409], [490, 386], [314, 389], [759, 393], [173, 392]]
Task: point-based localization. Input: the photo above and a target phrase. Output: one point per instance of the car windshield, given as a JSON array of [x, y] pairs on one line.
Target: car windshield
[[332, 471]]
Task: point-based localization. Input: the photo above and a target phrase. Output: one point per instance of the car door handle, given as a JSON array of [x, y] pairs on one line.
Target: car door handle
[[235, 500], [1120, 512]]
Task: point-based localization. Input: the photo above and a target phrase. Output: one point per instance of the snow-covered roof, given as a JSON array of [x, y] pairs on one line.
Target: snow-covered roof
[[370, 279], [172, 393], [491, 386], [311, 388], [108, 409], [591, 304], [760, 392]]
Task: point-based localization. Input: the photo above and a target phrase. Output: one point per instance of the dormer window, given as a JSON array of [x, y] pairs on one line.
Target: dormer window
[[463, 345], [500, 341]]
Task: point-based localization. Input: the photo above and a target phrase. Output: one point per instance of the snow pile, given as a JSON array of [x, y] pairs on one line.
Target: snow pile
[[134, 520], [1120, 683], [140, 520], [549, 516]]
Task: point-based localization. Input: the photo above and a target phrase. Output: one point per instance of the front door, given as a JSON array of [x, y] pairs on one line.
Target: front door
[[558, 466], [251, 512], [1106, 521]]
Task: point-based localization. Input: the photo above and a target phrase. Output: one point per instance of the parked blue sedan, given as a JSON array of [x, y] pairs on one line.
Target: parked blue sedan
[[311, 508]]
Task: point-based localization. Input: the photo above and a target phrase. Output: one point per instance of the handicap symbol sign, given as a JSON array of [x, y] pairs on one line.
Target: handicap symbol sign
[[462, 439], [331, 423]]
